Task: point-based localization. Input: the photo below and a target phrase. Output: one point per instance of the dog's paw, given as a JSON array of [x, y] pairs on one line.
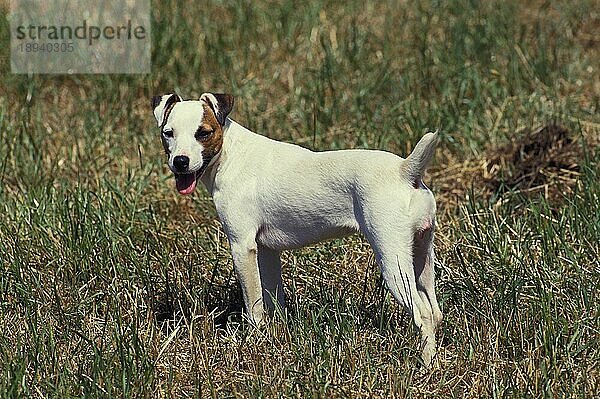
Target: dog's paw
[[429, 354]]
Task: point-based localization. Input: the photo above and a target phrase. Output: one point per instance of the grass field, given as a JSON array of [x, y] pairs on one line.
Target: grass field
[[113, 285]]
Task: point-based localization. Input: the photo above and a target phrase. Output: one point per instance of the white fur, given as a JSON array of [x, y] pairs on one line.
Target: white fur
[[272, 196], [183, 121], [160, 108]]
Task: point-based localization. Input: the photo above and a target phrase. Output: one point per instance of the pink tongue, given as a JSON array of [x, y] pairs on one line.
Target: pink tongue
[[185, 183]]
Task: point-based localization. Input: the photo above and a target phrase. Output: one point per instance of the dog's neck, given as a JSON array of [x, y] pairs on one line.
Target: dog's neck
[[219, 161]]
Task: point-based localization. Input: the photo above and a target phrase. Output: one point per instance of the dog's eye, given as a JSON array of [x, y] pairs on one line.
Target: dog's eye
[[202, 133], [168, 134]]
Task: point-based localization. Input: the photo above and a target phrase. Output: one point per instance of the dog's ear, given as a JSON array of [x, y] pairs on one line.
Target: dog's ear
[[161, 106], [220, 103]]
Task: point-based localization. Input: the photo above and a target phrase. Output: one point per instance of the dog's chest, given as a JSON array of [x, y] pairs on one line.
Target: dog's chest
[[284, 237]]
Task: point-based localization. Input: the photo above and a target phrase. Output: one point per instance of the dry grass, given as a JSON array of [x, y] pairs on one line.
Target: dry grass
[[112, 285], [543, 162]]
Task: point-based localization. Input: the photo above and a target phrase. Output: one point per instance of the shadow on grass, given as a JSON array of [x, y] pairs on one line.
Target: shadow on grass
[[173, 302]]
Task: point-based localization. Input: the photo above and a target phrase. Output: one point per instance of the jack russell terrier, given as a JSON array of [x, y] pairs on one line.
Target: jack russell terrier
[[272, 196]]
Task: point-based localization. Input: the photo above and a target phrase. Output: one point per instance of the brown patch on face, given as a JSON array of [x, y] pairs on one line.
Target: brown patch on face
[[212, 142]]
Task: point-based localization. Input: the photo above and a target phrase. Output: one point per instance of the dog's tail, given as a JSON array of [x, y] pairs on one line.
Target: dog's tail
[[415, 164]]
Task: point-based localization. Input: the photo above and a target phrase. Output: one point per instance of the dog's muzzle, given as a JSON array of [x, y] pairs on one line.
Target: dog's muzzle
[[181, 164], [185, 180]]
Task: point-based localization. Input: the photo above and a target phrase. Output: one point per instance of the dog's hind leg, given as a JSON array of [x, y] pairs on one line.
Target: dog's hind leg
[[394, 253], [423, 262], [269, 264]]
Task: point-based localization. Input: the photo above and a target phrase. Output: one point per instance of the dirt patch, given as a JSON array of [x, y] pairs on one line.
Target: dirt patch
[[538, 162]]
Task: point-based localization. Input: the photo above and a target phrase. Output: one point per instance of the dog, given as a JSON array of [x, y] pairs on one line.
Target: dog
[[272, 196]]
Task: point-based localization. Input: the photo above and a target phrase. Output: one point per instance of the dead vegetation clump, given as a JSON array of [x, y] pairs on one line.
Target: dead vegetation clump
[[542, 162]]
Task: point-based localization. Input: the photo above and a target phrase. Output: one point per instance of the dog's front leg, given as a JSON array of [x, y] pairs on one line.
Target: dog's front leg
[[245, 263], [269, 264]]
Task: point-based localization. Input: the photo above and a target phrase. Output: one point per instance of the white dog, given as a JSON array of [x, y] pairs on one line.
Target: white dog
[[272, 196]]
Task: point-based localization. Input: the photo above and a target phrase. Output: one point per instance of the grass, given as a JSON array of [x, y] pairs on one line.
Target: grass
[[112, 285]]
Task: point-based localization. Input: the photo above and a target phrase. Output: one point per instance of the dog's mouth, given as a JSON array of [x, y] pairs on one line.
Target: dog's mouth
[[186, 182]]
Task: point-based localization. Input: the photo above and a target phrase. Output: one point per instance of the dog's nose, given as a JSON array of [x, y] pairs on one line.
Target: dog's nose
[[181, 163]]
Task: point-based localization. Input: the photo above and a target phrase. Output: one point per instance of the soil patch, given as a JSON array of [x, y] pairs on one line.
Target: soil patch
[[538, 162]]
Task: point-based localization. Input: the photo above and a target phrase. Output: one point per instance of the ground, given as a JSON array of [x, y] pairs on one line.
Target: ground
[[112, 284]]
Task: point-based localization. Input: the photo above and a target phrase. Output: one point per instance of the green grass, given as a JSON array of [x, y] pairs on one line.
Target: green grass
[[113, 285]]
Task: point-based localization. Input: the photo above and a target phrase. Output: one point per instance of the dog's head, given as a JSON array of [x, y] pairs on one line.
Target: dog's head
[[192, 133]]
